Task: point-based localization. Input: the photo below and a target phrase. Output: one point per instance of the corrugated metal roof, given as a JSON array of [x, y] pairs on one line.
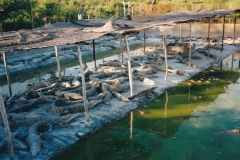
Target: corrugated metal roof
[[69, 33]]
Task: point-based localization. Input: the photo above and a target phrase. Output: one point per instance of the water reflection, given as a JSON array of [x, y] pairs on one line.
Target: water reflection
[[180, 124]]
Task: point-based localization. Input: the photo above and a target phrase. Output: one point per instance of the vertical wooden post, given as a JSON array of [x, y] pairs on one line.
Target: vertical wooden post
[[7, 74], [6, 127], [209, 36], [180, 33], [165, 50], [234, 30], [132, 11], [124, 10], [190, 47], [131, 124], [144, 41], [58, 64], [83, 83], [129, 67], [121, 50], [94, 56], [223, 32], [232, 61]]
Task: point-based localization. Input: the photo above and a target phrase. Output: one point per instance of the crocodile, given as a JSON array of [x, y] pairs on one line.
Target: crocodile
[[53, 119], [79, 107], [142, 93], [91, 91], [33, 139], [107, 97], [68, 95], [120, 96]]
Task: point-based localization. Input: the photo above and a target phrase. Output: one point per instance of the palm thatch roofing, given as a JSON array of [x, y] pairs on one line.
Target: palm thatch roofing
[[82, 31]]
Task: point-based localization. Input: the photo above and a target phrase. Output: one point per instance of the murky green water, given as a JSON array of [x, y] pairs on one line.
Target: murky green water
[[192, 121]]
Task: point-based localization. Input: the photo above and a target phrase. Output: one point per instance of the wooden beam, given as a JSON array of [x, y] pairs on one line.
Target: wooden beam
[[94, 56], [6, 127], [83, 83], [129, 67], [7, 74], [131, 124], [209, 21], [58, 64], [165, 50], [223, 32], [190, 46]]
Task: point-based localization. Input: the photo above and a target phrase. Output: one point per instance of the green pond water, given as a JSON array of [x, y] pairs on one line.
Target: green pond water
[[194, 120]]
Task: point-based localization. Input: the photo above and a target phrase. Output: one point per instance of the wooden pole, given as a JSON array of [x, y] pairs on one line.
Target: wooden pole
[[7, 74], [223, 32], [232, 61], [58, 64], [124, 10], [209, 36], [83, 83], [180, 33], [190, 47], [6, 127], [144, 41], [165, 51], [234, 30], [129, 67], [94, 56], [121, 50]]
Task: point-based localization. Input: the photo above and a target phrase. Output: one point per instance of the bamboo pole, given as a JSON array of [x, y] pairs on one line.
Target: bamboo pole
[[83, 83], [209, 36], [165, 51], [94, 56], [129, 67], [234, 30], [190, 47], [223, 32], [7, 74], [180, 33], [6, 127], [144, 41], [58, 64]]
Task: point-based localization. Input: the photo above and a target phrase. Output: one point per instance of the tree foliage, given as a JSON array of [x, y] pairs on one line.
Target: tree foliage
[[16, 14]]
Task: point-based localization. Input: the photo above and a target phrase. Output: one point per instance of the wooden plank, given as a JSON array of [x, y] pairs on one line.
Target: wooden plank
[[190, 46]]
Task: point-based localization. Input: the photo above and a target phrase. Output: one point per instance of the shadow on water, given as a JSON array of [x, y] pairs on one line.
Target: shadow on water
[[151, 132]]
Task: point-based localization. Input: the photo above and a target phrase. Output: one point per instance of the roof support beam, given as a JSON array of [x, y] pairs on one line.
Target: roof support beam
[[223, 32], [58, 64], [144, 41], [129, 67], [6, 127], [94, 56], [165, 50], [180, 33], [190, 46], [83, 83], [209, 21], [234, 30], [7, 74]]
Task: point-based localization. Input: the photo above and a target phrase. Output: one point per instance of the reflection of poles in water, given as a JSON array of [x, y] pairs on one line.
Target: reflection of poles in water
[[232, 61], [165, 114], [189, 92], [221, 65], [131, 124]]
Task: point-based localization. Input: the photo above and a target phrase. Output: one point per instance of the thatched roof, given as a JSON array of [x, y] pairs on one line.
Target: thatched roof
[[72, 33]]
